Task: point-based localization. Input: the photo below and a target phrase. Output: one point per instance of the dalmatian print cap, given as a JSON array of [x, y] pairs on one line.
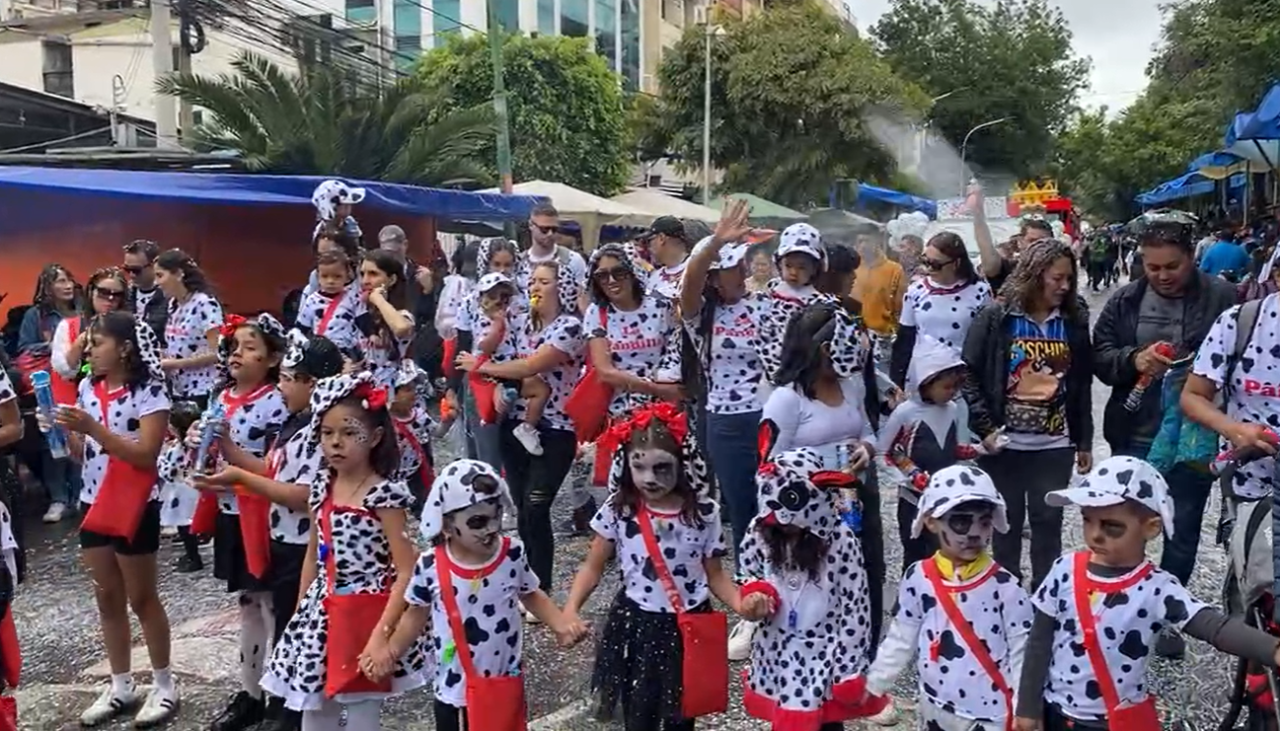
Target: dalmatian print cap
[[329, 391], [1115, 480], [801, 238], [332, 193], [149, 349], [226, 338], [493, 279], [731, 255], [454, 490], [956, 485], [793, 489]]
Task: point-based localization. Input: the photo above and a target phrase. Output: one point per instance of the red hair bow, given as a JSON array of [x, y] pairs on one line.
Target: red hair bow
[[676, 422], [231, 324], [372, 397]]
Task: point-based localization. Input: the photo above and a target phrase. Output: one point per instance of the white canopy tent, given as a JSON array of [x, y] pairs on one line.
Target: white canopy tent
[[590, 212], [660, 204]]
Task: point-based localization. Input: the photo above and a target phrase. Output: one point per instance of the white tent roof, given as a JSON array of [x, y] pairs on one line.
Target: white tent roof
[[660, 204], [587, 209]]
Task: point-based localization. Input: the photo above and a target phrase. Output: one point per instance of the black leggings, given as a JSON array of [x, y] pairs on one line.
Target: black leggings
[[534, 483]]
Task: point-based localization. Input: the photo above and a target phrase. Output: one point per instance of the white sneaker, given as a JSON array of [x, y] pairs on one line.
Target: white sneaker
[[740, 640], [55, 512], [528, 438], [108, 706], [886, 717], [160, 706], [531, 618]]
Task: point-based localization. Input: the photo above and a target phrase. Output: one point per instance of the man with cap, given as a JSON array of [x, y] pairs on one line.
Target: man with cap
[[668, 246]]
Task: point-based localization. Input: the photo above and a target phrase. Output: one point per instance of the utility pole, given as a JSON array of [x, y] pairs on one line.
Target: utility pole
[[162, 65], [496, 34]]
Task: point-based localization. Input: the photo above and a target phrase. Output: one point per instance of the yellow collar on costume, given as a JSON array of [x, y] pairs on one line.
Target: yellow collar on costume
[[967, 572]]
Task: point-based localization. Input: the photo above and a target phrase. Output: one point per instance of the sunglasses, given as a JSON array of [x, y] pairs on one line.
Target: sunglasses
[[547, 229], [616, 274], [134, 270], [109, 294], [934, 265]]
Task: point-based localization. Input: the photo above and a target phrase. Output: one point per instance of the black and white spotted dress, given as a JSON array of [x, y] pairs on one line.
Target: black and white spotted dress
[[296, 670], [186, 336]]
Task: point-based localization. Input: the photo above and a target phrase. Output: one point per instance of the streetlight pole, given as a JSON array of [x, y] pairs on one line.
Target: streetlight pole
[[706, 115], [496, 37], [965, 144]]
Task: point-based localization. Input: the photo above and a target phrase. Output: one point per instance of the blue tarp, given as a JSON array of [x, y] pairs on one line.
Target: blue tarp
[[897, 198], [1219, 159], [1262, 123], [1183, 186], [237, 189]]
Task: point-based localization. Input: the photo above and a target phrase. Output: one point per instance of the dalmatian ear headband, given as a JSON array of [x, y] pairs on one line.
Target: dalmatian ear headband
[[330, 391], [149, 349], [616, 438], [268, 324], [454, 489]]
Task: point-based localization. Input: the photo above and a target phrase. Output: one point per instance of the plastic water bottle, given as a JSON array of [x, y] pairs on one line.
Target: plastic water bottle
[[208, 432], [56, 436]]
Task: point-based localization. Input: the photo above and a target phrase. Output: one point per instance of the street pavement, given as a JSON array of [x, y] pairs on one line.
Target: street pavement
[[65, 665]]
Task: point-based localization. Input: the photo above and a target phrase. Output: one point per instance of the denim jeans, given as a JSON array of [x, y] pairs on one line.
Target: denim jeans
[[534, 482], [61, 479], [1023, 479], [731, 446], [487, 438], [1189, 490]]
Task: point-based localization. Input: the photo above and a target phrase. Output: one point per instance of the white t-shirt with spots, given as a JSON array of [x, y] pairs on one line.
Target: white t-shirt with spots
[[413, 431], [186, 336], [565, 335], [644, 342], [668, 280], [472, 320], [1255, 384], [7, 392], [950, 675], [488, 599], [297, 462], [340, 327], [734, 372], [684, 548], [383, 359], [253, 420], [125, 408], [1129, 612], [943, 313]]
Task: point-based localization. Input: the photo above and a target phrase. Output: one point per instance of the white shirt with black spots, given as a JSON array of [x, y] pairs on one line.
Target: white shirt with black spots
[[733, 375], [685, 548], [943, 313], [253, 420], [186, 335], [1254, 387], [950, 675], [413, 434], [143, 298], [567, 258], [7, 392], [644, 342], [341, 325], [668, 280], [1127, 619], [296, 462], [565, 335], [472, 320], [125, 409], [383, 359], [488, 599], [781, 302]]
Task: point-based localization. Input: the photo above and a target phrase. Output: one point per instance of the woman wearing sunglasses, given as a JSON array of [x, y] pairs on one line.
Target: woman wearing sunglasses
[[940, 305]]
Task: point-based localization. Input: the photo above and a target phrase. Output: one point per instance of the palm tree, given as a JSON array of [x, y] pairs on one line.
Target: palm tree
[[328, 121]]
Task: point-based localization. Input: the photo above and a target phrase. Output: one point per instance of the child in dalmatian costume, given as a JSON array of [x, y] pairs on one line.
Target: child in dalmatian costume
[[178, 498], [474, 577], [1099, 610], [800, 258], [961, 616], [414, 426], [358, 545], [333, 201], [810, 655], [659, 483]]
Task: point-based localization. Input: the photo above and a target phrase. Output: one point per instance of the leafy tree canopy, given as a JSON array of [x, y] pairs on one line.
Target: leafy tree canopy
[[1013, 59], [792, 91], [327, 121], [567, 112]]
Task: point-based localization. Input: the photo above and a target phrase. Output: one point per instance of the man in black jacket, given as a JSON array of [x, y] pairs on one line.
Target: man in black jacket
[[1174, 304], [146, 301]]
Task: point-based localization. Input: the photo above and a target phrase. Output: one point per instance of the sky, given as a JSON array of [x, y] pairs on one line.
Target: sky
[[1118, 35]]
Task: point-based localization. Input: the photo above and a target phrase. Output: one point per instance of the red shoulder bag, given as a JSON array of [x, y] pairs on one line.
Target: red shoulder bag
[[126, 488], [704, 641], [588, 405], [352, 620], [496, 702], [1140, 717]]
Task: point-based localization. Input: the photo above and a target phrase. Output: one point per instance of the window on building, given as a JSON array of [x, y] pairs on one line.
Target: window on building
[[446, 18], [58, 76], [629, 22], [508, 12], [408, 51], [362, 11], [547, 17], [607, 31], [574, 18], [407, 19]]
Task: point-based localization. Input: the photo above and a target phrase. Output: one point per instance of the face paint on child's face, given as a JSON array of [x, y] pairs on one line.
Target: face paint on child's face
[[345, 437], [653, 471], [478, 527], [1114, 534], [965, 534]]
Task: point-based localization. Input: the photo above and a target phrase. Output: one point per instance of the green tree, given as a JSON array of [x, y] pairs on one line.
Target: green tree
[[792, 92], [327, 122], [567, 112], [1012, 59]]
